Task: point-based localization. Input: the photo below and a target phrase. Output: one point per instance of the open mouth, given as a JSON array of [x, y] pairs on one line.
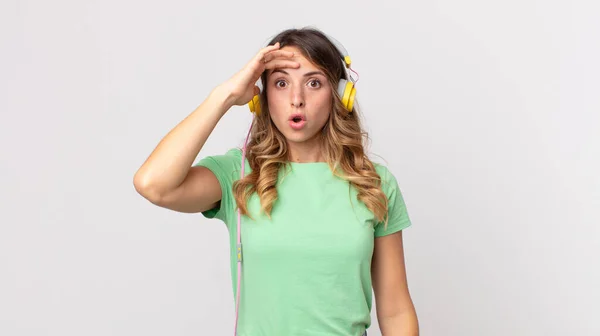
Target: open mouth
[[297, 121], [296, 118]]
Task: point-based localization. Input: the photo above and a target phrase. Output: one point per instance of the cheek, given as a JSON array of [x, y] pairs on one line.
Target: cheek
[[322, 106], [276, 104]]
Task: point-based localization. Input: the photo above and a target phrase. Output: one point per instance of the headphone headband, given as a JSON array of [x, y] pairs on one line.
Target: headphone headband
[[345, 55]]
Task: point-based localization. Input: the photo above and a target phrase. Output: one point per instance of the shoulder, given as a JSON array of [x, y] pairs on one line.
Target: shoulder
[[226, 166], [398, 218], [229, 155], [388, 179], [231, 158]]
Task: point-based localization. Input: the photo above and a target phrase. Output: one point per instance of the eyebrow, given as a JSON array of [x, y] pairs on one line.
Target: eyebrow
[[305, 75]]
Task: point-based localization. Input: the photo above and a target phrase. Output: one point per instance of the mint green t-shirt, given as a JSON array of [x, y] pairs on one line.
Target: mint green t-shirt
[[305, 271]]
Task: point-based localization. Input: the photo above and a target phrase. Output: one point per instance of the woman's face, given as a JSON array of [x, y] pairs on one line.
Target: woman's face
[[299, 99]]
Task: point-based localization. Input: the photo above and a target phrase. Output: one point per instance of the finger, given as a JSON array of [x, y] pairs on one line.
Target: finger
[[261, 54], [281, 64], [279, 53], [273, 56], [272, 46]]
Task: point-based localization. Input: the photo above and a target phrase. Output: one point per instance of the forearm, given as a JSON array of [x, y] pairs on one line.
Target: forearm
[[402, 324], [168, 164]]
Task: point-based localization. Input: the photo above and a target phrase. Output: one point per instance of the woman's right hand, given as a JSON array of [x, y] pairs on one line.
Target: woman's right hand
[[242, 86]]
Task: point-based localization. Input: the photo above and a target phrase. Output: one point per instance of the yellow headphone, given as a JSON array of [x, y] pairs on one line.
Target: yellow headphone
[[346, 87]]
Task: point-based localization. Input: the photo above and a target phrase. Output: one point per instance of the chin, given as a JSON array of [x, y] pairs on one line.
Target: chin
[[299, 137]]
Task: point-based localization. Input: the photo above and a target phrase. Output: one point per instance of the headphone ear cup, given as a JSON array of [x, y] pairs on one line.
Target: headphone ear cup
[[254, 105], [347, 92], [351, 99]]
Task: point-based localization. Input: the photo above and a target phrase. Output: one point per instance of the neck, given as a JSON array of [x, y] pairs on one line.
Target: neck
[[305, 152]]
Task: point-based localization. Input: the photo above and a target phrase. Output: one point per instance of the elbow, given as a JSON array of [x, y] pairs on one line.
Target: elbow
[[146, 187]]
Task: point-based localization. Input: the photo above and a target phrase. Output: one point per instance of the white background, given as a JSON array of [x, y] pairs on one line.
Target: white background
[[487, 112]]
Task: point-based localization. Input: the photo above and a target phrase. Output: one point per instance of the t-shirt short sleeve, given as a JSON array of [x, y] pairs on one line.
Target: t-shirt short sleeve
[[226, 168], [398, 218]]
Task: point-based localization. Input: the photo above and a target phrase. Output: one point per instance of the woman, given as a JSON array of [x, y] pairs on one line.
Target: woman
[[321, 224]]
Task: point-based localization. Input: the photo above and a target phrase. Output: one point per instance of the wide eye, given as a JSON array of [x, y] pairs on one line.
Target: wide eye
[[315, 83], [279, 83]]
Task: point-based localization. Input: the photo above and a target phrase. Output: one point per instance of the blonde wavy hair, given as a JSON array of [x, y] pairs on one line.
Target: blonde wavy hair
[[343, 139]]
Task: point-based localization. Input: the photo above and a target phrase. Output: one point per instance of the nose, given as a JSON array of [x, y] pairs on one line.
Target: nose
[[297, 97]]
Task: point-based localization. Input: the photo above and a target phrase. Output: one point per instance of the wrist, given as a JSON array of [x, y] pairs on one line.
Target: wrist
[[223, 97]]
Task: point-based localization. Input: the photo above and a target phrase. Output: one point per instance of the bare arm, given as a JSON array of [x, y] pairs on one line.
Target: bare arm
[[167, 177], [395, 310]]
